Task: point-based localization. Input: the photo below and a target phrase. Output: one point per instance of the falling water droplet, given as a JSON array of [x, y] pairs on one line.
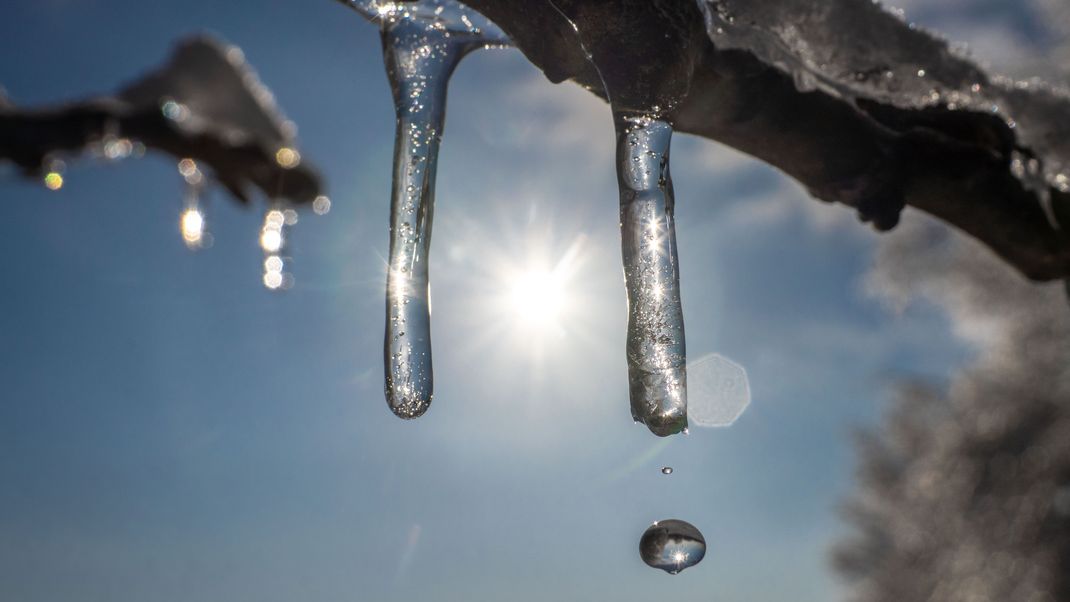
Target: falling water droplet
[[271, 237], [656, 350], [672, 546], [192, 226], [174, 111], [287, 158], [666, 470], [422, 44]]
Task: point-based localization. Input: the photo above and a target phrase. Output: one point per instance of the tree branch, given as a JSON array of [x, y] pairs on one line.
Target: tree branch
[[820, 107], [205, 104]]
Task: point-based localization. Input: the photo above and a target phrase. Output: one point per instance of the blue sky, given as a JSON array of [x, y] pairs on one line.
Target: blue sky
[[170, 430]]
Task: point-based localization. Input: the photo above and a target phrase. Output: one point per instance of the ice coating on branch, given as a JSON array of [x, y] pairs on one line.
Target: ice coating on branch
[[847, 98], [657, 357], [422, 44], [436, 18], [866, 54]]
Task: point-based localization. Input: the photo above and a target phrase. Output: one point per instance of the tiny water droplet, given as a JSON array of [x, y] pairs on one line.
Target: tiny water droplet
[[666, 470], [672, 545]]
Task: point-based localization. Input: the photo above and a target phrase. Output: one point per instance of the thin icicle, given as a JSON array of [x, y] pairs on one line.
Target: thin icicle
[[422, 44], [656, 351], [273, 243], [191, 222]]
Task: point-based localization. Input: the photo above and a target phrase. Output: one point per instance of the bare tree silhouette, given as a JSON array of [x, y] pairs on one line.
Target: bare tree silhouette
[[964, 495]]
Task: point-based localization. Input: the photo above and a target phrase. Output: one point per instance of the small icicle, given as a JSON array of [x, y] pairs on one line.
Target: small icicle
[[273, 241], [656, 352], [419, 67], [422, 44], [192, 223]]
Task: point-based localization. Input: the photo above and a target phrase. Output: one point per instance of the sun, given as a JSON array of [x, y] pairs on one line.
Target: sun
[[530, 289], [537, 297]]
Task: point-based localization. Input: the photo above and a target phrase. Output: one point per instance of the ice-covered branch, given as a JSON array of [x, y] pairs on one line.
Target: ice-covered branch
[[205, 104], [858, 105]]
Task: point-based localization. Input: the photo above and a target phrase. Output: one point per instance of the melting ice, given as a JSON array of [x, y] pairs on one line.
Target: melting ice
[[422, 44], [862, 50], [656, 352]]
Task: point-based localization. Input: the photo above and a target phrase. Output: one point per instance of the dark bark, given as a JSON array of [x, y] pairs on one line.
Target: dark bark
[[874, 153]]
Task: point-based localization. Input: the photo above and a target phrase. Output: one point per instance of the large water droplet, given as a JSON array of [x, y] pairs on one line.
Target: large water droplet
[[672, 546]]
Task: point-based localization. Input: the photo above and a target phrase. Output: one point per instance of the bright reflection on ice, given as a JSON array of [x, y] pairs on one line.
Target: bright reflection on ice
[[273, 280], [287, 158], [187, 167], [718, 391], [448, 17], [273, 264], [274, 219], [271, 233], [272, 242], [192, 226], [672, 546]]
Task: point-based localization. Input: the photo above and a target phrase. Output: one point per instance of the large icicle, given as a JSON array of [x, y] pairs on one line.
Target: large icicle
[[422, 44], [657, 357]]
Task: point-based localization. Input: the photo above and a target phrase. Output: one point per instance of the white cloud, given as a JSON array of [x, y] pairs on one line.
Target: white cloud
[[558, 117]]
